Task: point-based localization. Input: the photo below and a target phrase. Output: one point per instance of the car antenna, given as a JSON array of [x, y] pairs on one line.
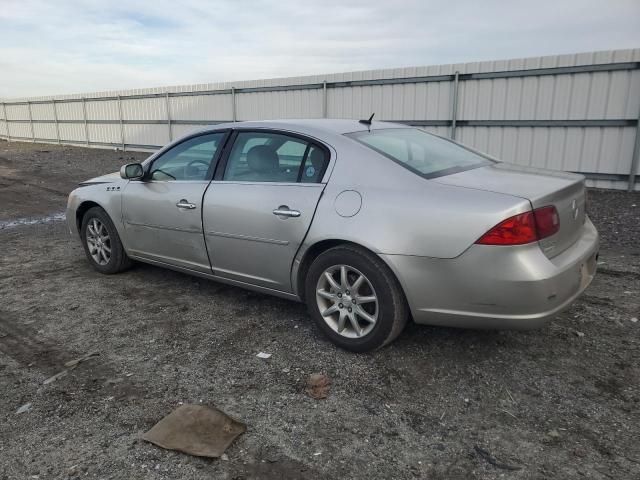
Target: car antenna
[[367, 122]]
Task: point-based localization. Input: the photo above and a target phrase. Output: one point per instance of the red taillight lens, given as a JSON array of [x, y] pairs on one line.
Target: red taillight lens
[[516, 230], [547, 221], [523, 228]]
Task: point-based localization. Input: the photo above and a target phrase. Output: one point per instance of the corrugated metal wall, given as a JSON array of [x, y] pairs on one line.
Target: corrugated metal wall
[[568, 112]]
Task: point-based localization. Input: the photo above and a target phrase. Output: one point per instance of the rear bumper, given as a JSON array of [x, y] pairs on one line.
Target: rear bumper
[[497, 287]]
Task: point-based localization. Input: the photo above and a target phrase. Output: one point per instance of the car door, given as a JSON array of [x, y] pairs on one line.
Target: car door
[[259, 209], [162, 213]]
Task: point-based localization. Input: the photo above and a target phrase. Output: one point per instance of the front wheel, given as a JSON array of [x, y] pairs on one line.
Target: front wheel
[[102, 243], [355, 299]]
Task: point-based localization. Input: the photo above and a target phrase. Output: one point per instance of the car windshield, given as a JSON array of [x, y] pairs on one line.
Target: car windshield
[[425, 154]]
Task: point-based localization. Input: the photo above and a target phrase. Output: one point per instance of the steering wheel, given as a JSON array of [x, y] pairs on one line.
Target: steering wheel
[[198, 160], [192, 163]]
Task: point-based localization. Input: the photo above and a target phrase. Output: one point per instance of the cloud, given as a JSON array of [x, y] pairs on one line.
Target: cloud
[[71, 46]]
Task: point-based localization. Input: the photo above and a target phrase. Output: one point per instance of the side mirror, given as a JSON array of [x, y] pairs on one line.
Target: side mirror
[[132, 171]]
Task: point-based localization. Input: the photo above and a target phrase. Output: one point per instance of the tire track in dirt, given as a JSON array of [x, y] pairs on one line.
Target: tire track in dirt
[[24, 345], [22, 181], [27, 347]]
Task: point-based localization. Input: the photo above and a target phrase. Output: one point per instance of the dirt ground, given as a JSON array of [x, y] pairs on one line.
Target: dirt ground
[[561, 402]]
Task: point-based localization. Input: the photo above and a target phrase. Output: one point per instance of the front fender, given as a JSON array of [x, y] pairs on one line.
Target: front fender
[[106, 195]]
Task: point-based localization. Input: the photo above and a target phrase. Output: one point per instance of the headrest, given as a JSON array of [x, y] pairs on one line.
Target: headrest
[[316, 157], [263, 159]]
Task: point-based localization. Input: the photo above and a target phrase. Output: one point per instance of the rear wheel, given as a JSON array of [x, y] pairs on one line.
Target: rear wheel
[[102, 243], [355, 299]]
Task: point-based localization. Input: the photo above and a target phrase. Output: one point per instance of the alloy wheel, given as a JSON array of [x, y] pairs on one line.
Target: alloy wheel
[[347, 301], [98, 241]]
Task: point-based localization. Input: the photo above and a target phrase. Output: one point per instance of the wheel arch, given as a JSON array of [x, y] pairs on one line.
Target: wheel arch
[[83, 208], [313, 251]]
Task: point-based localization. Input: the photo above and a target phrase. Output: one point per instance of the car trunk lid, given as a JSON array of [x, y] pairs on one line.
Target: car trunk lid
[[565, 191]]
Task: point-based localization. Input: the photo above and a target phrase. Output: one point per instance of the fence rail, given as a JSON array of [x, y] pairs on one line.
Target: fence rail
[[582, 117]]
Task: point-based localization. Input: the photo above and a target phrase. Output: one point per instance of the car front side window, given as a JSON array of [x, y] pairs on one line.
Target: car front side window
[[189, 160]]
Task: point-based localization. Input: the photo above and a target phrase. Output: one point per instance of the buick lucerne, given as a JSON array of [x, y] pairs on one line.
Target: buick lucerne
[[372, 224]]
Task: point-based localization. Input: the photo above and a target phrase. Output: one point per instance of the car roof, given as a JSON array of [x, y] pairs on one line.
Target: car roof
[[315, 127]]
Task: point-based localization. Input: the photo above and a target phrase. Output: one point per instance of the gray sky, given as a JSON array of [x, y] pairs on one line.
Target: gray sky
[[65, 46]]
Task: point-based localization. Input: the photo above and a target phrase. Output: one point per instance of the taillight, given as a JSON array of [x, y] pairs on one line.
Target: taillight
[[523, 228], [547, 221], [516, 230]]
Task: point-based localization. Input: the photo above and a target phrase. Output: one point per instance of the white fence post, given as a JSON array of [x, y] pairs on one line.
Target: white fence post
[[84, 117], [454, 105], [33, 135], [635, 159], [6, 121], [168, 106], [121, 123], [55, 117], [233, 104], [324, 99]]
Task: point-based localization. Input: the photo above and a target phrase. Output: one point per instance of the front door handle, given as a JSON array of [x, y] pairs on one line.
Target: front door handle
[[186, 204], [285, 211]]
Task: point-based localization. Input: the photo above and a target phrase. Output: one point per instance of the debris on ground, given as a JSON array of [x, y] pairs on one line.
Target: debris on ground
[[318, 385], [263, 355], [196, 430], [552, 436], [634, 319], [24, 408], [78, 361], [55, 377], [71, 364], [508, 412], [579, 334], [485, 455]]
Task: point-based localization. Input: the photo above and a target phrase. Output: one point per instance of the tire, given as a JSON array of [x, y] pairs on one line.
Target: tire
[[113, 258], [389, 310]]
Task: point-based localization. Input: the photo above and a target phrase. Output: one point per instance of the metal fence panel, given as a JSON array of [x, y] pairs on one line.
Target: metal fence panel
[[44, 131], [105, 133], [17, 112], [144, 109], [103, 110], [145, 134], [604, 150], [283, 104], [201, 107], [182, 130], [42, 111], [20, 130], [69, 110], [72, 132], [570, 112]]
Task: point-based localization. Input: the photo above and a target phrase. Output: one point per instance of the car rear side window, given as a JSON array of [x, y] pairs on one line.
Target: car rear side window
[[274, 157], [425, 154]]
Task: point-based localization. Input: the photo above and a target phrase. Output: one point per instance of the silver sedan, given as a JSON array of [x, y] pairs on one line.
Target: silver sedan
[[370, 223]]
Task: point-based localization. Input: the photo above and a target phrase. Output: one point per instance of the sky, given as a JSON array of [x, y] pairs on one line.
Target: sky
[[50, 47]]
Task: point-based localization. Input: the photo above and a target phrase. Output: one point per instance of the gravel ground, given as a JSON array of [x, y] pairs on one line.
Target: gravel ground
[[561, 402]]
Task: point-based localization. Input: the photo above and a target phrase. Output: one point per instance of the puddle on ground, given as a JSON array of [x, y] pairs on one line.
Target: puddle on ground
[[56, 217]]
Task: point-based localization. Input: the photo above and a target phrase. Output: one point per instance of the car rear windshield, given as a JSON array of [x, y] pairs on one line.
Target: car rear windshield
[[421, 152]]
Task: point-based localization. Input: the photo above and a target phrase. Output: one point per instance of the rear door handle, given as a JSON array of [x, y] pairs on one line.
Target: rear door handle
[[186, 204], [285, 211]]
